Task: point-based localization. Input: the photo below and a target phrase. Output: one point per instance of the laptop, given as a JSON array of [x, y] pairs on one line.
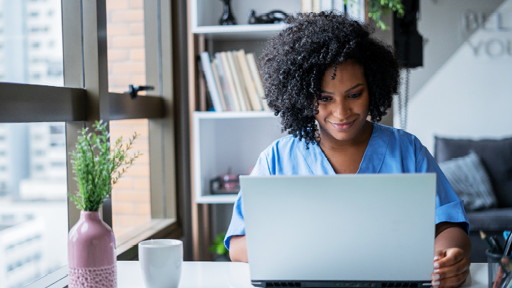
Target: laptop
[[363, 230]]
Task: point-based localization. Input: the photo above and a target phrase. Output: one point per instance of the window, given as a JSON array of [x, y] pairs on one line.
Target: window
[[126, 51], [45, 103]]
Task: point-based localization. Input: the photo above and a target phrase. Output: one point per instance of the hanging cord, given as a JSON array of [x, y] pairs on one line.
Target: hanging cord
[[402, 109]]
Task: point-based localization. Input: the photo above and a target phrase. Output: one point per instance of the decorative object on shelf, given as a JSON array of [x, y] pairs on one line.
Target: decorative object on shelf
[[225, 184], [218, 248], [91, 242], [272, 17], [227, 17]]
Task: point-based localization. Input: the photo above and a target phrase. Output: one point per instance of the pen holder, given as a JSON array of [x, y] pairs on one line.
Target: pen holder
[[499, 269]]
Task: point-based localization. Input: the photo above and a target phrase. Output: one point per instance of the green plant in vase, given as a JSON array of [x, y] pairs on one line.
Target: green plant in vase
[[96, 172], [378, 7], [219, 249], [91, 244]]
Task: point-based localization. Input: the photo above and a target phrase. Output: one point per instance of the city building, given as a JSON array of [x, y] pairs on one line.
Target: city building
[[47, 152], [14, 159], [21, 249], [31, 42]]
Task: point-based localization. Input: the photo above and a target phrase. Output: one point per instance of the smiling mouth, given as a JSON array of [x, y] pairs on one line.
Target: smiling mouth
[[343, 126]]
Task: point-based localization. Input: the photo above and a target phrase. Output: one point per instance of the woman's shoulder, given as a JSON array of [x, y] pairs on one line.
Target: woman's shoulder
[[399, 136], [284, 144]]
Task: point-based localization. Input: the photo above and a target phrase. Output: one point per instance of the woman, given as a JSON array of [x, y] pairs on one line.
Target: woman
[[325, 77]]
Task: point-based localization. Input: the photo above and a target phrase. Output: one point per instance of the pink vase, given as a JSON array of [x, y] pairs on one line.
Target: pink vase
[[91, 253]]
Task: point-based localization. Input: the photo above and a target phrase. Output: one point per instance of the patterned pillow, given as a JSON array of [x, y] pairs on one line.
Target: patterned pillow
[[470, 181]]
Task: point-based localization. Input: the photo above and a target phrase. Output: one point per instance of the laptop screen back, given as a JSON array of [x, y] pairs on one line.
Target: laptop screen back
[[365, 227]]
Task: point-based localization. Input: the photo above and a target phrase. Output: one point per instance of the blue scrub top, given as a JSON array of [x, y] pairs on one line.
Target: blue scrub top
[[389, 150]]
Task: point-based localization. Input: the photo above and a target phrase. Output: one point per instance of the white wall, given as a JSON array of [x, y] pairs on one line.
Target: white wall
[[470, 95]]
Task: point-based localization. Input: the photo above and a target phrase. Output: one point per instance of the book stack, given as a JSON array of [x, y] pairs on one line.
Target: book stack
[[323, 5], [234, 81]]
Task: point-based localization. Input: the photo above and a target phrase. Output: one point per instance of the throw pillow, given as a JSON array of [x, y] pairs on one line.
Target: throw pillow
[[470, 181], [495, 155]]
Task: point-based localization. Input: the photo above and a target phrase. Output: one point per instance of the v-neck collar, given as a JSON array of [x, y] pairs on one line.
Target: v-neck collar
[[372, 159]]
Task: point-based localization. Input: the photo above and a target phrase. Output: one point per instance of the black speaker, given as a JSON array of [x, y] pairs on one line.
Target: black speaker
[[408, 41]]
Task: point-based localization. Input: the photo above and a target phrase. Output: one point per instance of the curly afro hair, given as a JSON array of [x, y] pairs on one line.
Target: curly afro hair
[[295, 61]]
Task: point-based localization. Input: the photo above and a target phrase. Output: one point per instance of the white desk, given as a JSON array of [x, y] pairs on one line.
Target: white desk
[[229, 274]]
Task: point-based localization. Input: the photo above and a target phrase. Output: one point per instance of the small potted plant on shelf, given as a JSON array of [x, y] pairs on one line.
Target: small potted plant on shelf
[[377, 7], [219, 249], [91, 244]]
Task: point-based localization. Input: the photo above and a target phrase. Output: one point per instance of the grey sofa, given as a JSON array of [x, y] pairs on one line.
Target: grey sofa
[[496, 156]]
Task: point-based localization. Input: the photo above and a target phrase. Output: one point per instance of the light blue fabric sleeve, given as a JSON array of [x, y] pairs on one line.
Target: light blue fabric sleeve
[[237, 225], [449, 208]]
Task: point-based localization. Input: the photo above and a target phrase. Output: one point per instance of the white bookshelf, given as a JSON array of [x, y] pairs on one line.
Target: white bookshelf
[[205, 14], [223, 139], [228, 139], [231, 139]]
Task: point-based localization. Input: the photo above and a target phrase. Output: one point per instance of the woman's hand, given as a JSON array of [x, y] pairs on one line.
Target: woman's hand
[[451, 268], [451, 261]]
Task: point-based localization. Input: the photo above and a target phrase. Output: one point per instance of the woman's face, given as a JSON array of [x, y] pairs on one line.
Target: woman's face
[[343, 105]]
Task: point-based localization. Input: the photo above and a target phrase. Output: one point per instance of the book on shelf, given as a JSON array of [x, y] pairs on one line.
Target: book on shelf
[[234, 81], [248, 82], [210, 81], [225, 72], [220, 89], [255, 73]]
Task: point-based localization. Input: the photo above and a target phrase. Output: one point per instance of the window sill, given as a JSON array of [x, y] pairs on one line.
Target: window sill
[[156, 228]]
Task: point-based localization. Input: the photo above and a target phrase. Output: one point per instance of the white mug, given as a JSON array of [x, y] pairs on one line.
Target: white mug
[[161, 261]]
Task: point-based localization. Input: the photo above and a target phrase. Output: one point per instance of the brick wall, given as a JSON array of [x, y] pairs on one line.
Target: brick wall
[[126, 65]]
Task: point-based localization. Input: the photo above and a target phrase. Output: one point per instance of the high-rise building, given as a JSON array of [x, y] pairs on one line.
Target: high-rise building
[[31, 42], [31, 52], [33, 206], [47, 151], [14, 159], [21, 249]]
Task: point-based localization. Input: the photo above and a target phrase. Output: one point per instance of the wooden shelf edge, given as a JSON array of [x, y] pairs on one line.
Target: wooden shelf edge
[[214, 29], [232, 114]]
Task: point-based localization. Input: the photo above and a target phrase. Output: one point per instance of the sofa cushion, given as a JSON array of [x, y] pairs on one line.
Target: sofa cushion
[[496, 156], [470, 181], [497, 219]]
